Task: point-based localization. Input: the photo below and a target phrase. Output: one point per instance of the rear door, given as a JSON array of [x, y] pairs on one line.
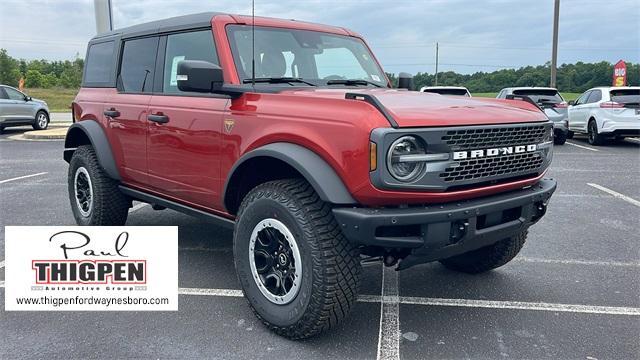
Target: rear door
[[184, 149], [127, 109]]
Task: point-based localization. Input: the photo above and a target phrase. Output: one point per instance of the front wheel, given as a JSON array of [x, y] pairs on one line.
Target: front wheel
[[488, 257], [298, 272], [95, 197], [594, 137], [41, 121], [570, 134]]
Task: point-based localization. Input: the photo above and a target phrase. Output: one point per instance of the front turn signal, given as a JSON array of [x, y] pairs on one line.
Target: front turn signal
[[373, 156]]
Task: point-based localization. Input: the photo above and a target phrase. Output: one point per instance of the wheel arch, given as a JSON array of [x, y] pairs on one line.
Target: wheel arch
[[89, 132], [283, 160]]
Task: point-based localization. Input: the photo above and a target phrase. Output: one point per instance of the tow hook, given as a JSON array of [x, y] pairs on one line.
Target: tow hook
[[541, 209]]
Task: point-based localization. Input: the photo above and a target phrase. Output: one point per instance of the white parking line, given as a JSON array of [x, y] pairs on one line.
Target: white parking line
[[581, 146], [469, 303], [138, 207], [21, 177], [615, 194], [389, 335], [634, 139], [578, 262]]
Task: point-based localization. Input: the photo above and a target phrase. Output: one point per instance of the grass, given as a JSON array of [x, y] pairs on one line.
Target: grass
[[566, 96], [58, 99]]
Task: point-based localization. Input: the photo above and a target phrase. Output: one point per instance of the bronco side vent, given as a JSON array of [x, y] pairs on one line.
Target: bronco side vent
[[375, 103]]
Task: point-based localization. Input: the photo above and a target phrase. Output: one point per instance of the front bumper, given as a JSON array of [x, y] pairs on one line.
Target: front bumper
[[436, 232]]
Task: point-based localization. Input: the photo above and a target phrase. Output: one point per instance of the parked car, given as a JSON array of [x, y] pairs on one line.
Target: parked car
[[550, 101], [19, 109], [606, 112], [311, 157], [447, 90]]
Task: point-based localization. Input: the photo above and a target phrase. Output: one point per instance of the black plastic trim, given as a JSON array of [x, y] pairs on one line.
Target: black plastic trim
[[375, 103], [185, 209], [98, 140], [313, 168]]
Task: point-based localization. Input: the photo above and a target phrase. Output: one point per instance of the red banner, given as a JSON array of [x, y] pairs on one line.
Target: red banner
[[620, 74]]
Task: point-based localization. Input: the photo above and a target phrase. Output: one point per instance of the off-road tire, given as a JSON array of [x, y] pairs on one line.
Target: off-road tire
[[592, 131], [330, 264], [487, 258], [109, 206], [36, 123], [560, 138]]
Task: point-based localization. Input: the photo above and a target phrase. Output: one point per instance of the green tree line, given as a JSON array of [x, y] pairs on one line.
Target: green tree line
[[40, 73], [577, 77]]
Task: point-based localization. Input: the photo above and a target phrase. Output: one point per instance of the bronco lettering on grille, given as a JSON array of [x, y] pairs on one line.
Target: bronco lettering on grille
[[475, 154]]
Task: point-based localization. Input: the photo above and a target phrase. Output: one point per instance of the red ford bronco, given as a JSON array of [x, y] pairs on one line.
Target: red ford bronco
[[290, 133]]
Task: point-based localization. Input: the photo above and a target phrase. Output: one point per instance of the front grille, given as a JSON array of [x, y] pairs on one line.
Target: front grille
[[463, 139], [494, 166]]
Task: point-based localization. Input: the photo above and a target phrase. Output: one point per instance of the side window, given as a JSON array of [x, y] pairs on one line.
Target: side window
[[197, 45], [137, 66], [583, 98], [3, 95], [14, 94], [99, 67], [596, 95], [500, 95]]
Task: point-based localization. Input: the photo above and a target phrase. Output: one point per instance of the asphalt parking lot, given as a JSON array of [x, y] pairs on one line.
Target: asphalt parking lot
[[573, 292]]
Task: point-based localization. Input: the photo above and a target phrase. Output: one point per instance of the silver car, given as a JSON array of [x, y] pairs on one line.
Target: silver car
[[17, 109], [550, 101]]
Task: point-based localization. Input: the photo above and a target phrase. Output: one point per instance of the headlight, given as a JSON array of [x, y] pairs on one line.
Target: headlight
[[401, 164]]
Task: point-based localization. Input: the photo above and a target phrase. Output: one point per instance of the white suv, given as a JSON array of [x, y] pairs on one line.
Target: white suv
[[606, 112]]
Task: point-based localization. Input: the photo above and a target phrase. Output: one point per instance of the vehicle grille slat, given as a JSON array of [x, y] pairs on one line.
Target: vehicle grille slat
[[465, 139]]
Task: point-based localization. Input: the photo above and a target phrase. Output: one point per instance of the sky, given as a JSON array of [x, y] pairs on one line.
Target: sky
[[480, 35]]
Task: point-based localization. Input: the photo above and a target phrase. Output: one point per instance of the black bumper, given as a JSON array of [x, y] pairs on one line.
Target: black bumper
[[436, 232]]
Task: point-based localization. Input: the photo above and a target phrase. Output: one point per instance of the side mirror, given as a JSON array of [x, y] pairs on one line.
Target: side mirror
[[199, 76], [405, 81], [572, 102], [28, 98]]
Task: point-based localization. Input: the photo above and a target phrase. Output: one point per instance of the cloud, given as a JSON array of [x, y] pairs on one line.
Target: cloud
[[473, 35]]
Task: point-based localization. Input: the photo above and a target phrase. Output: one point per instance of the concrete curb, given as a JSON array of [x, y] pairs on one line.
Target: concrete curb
[[57, 133]]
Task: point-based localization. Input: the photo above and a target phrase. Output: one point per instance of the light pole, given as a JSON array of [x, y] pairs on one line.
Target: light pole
[[104, 22], [554, 51], [436, 64]]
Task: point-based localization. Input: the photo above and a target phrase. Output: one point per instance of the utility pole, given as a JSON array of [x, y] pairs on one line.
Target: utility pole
[[436, 64], [104, 21], [554, 51]]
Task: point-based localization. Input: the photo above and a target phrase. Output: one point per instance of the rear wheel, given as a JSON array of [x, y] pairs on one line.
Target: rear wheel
[[487, 258], [95, 197], [41, 121], [560, 138], [594, 137], [298, 272]]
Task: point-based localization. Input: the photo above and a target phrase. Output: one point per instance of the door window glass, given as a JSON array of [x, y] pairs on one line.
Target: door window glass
[[14, 94], [197, 45], [595, 96], [137, 67]]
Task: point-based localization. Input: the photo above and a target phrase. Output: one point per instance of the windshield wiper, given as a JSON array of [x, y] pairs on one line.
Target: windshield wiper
[[278, 80], [352, 82]]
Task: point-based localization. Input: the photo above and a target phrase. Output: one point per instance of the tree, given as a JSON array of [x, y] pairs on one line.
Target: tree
[[9, 71], [33, 79]]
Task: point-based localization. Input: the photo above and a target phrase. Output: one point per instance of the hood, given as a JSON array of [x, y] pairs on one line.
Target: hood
[[417, 109], [39, 101]]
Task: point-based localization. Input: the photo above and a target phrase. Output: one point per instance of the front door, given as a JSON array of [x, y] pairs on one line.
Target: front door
[[184, 136], [578, 113], [19, 109]]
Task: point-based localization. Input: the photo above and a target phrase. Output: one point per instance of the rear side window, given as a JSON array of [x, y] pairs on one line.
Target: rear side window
[[99, 68], [541, 95], [137, 65], [197, 45], [626, 96], [596, 95], [3, 95]]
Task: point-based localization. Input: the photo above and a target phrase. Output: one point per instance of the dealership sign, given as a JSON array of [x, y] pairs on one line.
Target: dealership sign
[[620, 74], [91, 268]]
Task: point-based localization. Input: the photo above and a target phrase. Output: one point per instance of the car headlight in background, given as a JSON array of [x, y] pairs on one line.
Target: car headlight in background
[[405, 158]]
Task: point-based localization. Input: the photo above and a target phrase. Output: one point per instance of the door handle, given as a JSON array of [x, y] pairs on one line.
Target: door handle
[[112, 113], [159, 118]]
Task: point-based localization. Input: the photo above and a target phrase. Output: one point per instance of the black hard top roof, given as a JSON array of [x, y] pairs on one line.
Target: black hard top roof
[[164, 25]]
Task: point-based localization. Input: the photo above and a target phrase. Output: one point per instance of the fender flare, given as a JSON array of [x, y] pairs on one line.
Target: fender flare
[[310, 165], [98, 139]]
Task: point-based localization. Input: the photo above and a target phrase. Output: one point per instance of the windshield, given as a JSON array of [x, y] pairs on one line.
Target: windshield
[[316, 57], [448, 91], [541, 95]]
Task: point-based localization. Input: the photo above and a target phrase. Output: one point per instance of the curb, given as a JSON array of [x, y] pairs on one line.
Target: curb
[[58, 133]]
